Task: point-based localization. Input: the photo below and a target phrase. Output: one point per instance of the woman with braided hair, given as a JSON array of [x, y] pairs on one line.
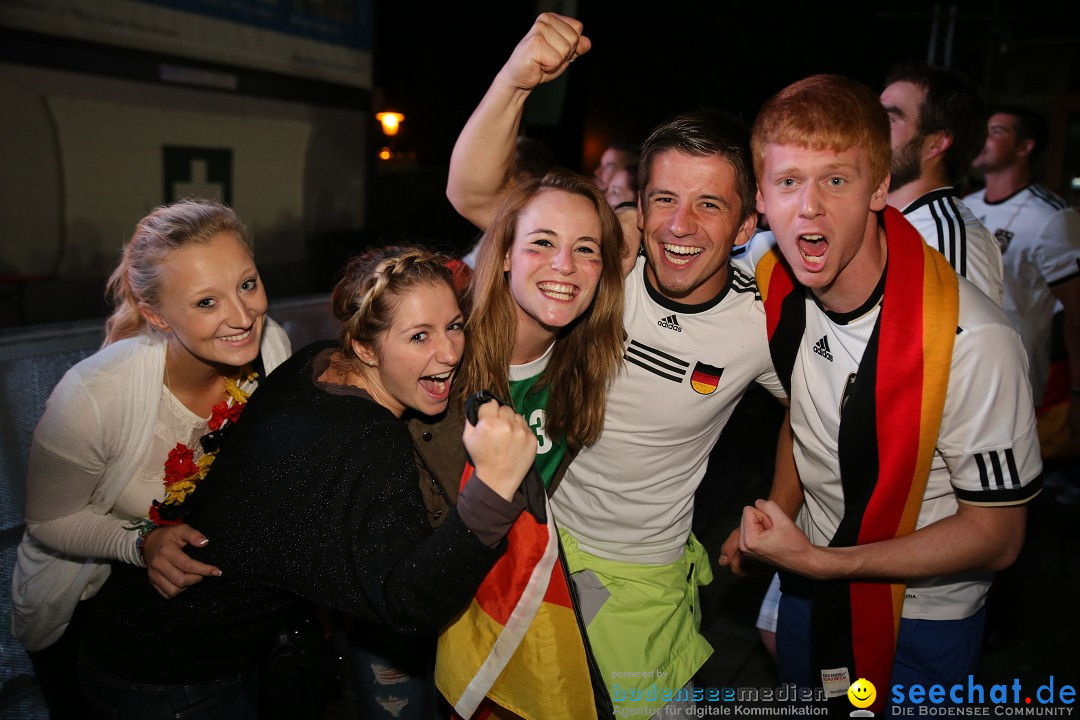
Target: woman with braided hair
[[313, 495], [189, 336]]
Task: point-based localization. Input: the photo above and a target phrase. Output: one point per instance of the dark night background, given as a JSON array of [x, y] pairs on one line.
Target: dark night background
[[433, 61]]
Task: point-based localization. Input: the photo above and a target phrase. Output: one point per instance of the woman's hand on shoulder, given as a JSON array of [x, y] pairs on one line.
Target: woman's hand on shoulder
[[169, 568], [502, 447]]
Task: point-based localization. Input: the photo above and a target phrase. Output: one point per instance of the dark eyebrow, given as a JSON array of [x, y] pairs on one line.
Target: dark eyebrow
[[716, 199], [542, 231], [711, 198]]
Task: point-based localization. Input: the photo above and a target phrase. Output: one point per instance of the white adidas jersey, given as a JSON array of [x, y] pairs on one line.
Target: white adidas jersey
[[987, 450], [1039, 237], [630, 496], [949, 227]]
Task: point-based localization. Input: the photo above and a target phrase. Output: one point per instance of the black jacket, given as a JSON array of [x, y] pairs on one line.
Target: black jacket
[[313, 494]]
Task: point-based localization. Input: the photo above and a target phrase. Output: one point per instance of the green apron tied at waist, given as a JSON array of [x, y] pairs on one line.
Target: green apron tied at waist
[[643, 623]]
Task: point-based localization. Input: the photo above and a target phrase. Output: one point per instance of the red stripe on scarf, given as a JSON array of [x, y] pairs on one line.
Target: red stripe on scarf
[[908, 400], [898, 405], [899, 378]]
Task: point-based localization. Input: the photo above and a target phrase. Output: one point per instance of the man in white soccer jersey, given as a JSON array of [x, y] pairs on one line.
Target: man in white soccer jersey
[[914, 477], [1039, 237], [938, 123], [695, 341]]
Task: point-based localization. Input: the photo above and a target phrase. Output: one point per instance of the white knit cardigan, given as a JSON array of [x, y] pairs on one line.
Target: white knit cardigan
[[47, 584]]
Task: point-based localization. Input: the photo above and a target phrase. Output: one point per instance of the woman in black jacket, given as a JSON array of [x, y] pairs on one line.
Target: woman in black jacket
[[313, 494]]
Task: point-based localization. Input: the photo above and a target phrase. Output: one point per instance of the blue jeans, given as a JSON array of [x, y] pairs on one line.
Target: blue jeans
[[111, 696], [928, 652], [389, 688]]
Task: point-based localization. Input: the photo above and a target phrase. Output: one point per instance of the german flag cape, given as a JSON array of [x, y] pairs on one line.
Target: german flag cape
[[519, 644], [887, 436]]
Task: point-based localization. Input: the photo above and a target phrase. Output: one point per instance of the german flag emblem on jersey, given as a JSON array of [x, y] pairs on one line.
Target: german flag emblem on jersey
[[705, 378]]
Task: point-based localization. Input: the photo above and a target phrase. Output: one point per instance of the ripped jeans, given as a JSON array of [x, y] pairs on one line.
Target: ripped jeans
[[395, 682]]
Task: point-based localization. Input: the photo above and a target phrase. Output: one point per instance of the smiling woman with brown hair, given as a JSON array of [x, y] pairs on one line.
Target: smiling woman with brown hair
[[545, 333], [548, 289]]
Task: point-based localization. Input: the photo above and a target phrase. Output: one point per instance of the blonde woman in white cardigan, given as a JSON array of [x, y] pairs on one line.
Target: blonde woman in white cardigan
[[188, 334]]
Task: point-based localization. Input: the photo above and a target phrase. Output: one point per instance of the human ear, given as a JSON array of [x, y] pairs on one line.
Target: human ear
[[942, 141], [365, 353], [746, 230], [880, 196], [153, 318]]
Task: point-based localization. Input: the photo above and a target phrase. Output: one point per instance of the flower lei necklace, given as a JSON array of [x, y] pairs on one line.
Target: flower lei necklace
[[183, 472]]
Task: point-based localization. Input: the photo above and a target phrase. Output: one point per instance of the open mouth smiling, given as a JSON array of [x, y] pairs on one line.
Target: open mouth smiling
[[680, 254], [436, 384], [557, 291], [236, 338]]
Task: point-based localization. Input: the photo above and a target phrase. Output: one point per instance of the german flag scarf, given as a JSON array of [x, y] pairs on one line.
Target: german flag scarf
[[886, 440], [518, 650]]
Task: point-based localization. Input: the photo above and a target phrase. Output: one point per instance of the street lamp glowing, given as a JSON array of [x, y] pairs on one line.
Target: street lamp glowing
[[391, 121]]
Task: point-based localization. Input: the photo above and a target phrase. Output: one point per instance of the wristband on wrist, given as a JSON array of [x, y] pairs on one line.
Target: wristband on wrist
[[143, 527]]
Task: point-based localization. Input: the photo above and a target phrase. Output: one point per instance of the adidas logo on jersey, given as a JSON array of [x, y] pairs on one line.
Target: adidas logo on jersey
[[821, 347], [670, 322]]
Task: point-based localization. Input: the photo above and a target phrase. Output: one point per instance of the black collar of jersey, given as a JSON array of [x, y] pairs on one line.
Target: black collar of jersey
[[853, 315], [1007, 198], [685, 308], [932, 196]]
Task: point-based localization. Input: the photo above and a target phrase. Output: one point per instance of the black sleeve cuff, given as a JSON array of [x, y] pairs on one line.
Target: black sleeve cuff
[[486, 513], [1002, 497]]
